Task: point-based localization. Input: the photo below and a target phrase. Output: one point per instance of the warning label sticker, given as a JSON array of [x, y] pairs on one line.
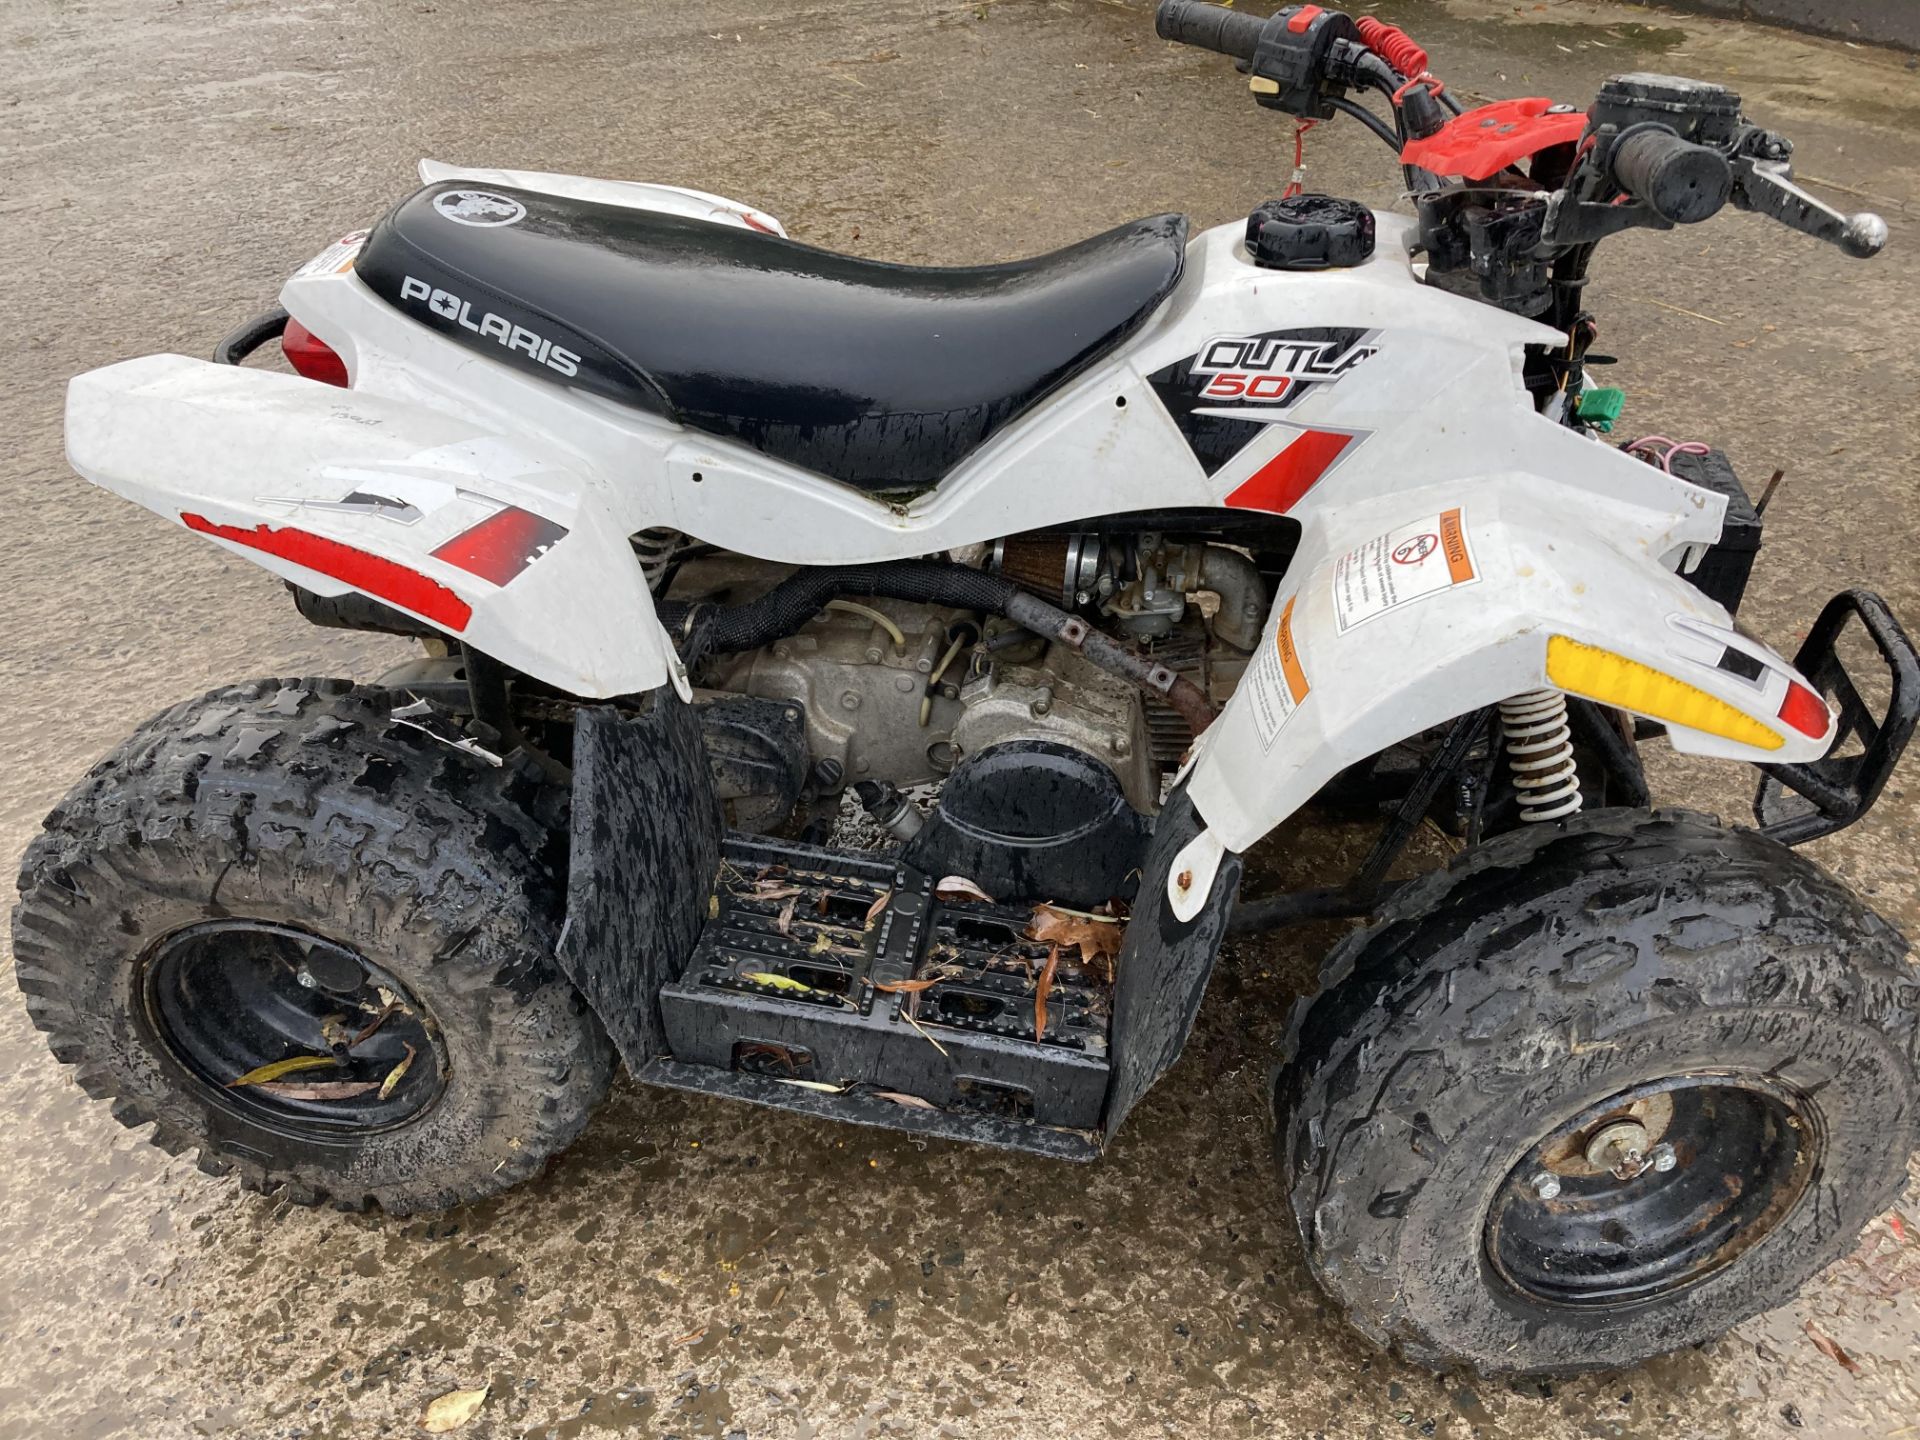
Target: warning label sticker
[[1278, 683], [1402, 566], [337, 258]]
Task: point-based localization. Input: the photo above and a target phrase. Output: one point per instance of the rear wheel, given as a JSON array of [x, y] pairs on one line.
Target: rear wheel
[[1597, 1091], [316, 946]]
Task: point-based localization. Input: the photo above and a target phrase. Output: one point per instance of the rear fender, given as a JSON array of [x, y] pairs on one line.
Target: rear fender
[[1401, 614], [645, 848], [340, 490]]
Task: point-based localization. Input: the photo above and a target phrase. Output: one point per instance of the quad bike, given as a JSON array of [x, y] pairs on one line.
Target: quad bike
[[1124, 554]]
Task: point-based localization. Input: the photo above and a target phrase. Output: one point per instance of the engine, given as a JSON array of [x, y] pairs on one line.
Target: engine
[[1041, 757]]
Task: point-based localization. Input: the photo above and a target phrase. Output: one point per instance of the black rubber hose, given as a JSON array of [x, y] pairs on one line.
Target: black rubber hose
[[802, 595], [700, 629], [250, 337], [1366, 117]]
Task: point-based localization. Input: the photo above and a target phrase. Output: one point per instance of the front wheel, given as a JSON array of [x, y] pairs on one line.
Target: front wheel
[[1598, 1091], [316, 945]]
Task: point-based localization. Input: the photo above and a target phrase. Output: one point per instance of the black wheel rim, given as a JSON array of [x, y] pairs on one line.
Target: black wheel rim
[[1653, 1190], [227, 998]]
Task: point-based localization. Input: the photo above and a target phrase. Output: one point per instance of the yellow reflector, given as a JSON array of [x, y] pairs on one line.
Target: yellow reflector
[[1615, 680]]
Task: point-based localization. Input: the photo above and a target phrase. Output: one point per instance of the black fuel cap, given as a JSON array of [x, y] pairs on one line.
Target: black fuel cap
[[1310, 232]]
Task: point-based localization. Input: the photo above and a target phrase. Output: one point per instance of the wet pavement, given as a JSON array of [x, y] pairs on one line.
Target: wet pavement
[[692, 1269]]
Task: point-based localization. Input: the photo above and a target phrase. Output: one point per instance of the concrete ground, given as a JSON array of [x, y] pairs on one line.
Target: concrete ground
[[693, 1269]]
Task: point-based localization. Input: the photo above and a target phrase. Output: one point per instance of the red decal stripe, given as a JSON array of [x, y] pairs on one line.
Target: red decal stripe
[[1278, 485], [502, 545], [378, 577]]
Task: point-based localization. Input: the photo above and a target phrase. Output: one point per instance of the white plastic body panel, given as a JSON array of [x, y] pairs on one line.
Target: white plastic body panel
[[278, 451], [1572, 536], [1404, 669]]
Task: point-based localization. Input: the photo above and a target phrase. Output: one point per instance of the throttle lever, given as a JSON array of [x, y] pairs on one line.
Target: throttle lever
[[1763, 183]]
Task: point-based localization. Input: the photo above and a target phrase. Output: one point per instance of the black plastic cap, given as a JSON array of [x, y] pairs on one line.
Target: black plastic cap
[[1422, 114], [1310, 232]]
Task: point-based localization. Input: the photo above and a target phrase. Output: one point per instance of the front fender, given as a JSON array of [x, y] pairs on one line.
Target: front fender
[[340, 490], [1403, 614]]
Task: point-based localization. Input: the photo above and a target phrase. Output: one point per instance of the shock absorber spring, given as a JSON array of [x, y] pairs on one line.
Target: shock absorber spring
[[655, 549], [1539, 746]]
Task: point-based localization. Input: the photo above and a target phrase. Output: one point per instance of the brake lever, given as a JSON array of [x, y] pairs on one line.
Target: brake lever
[[1763, 183]]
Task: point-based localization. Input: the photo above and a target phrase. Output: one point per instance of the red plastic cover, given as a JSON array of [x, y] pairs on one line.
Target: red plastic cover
[[1481, 143]]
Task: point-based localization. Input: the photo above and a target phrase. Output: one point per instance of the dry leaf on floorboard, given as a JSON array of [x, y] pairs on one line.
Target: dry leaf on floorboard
[[453, 1409], [764, 891], [1040, 992], [958, 887], [912, 1102], [777, 982], [1097, 937], [907, 1015]]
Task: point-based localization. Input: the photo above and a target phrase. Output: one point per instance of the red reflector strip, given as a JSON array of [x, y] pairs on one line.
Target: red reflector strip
[[312, 356], [1278, 485], [378, 577], [1806, 712], [502, 545]]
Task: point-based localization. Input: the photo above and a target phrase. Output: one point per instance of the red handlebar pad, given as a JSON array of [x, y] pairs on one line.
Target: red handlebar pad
[[1481, 143], [1393, 45]]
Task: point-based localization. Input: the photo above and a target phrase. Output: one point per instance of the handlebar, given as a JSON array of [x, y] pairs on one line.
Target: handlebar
[[1210, 27], [1304, 57], [1681, 182]]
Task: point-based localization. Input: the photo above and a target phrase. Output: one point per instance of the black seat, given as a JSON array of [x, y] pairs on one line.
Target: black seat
[[881, 376]]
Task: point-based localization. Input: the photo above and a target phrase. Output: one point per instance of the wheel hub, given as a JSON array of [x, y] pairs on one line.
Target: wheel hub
[[1623, 1149], [1652, 1190], [291, 1030]]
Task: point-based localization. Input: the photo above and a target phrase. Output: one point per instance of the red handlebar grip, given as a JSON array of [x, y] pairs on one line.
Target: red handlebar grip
[[1393, 45]]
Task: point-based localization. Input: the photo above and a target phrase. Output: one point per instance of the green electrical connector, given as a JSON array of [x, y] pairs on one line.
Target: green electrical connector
[[1601, 407]]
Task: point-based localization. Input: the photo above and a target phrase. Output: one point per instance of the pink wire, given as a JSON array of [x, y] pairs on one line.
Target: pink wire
[[1674, 447]]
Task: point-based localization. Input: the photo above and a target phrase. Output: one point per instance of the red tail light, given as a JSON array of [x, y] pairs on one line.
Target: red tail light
[[308, 354]]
